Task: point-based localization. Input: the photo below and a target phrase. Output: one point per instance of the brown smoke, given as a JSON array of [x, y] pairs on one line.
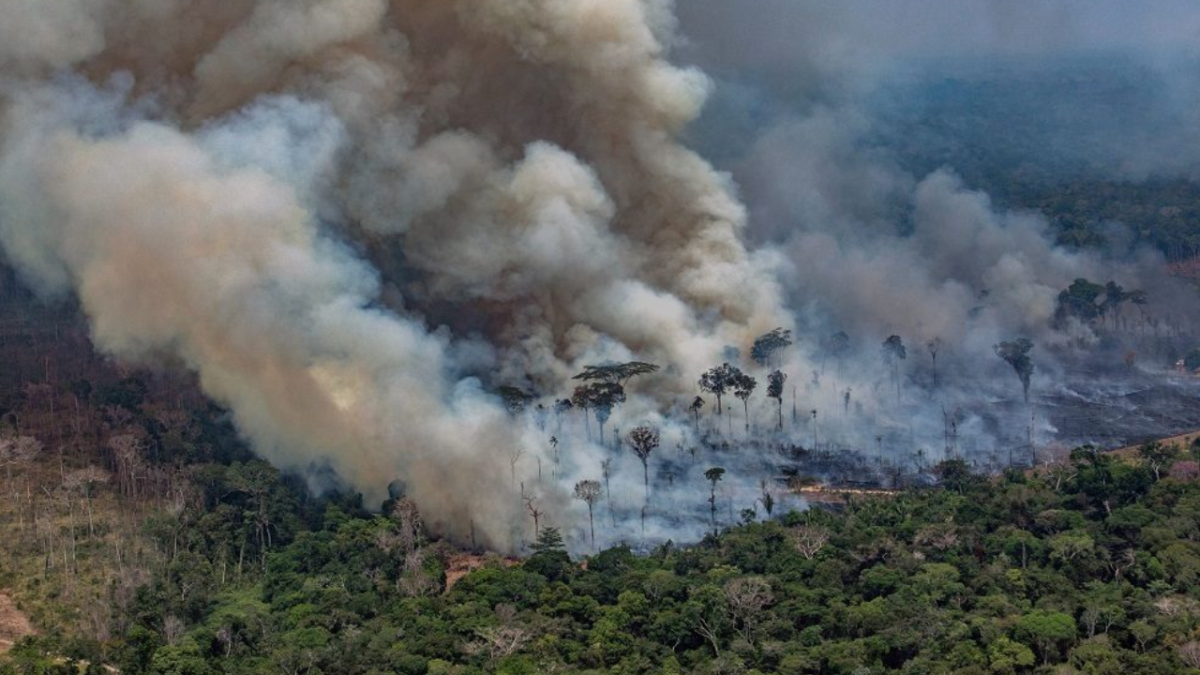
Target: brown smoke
[[204, 196]]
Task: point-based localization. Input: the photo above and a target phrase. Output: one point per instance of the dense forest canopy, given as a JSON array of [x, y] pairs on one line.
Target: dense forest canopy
[[1090, 566]]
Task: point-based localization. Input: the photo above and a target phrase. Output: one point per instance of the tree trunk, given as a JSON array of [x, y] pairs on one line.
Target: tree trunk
[[646, 479], [592, 525]]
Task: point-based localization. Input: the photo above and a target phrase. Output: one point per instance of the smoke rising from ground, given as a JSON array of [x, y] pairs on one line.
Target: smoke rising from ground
[[214, 199], [806, 102]]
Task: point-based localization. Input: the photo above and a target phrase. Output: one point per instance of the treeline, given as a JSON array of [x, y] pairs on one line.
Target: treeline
[[1091, 566]]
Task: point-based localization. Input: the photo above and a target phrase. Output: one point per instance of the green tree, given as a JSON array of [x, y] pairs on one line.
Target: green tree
[[1005, 656], [1157, 456], [1047, 632], [183, 659], [1016, 354], [1081, 300]]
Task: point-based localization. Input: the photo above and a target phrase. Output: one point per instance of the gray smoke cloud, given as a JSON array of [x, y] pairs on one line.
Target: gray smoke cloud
[[218, 199], [805, 116]]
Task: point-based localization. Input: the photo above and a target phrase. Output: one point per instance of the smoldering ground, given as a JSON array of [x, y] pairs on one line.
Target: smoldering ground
[[354, 219]]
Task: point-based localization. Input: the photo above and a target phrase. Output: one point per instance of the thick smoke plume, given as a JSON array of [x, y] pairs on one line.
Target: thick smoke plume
[[355, 219], [807, 95], [343, 213]]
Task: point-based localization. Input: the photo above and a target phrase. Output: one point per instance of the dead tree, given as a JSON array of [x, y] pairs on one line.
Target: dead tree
[[588, 491], [809, 540]]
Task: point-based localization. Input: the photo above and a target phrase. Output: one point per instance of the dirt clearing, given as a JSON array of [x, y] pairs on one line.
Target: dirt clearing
[[14, 625]]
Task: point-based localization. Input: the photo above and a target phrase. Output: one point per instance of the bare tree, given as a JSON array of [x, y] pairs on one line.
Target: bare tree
[[173, 629], [415, 581], [809, 539], [19, 451], [1189, 653], [747, 598], [83, 482], [534, 511], [127, 457], [588, 491], [643, 440], [514, 456], [503, 641], [408, 524]]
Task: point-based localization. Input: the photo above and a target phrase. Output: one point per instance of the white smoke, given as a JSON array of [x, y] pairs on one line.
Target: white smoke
[[220, 200]]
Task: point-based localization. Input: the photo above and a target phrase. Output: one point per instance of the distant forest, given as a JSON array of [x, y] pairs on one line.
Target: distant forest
[[1092, 143]]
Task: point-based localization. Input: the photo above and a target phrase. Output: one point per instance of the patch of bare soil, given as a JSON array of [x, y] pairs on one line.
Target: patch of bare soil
[[462, 564], [1183, 441], [14, 625]]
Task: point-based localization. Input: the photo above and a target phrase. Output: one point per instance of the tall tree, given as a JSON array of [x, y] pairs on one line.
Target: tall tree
[[561, 407], [775, 390], [1016, 353], [767, 347], [743, 386], [713, 475], [588, 491], [604, 396], [534, 511], [643, 440], [582, 400], [718, 381], [695, 407], [606, 471], [934, 346], [893, 353], [835, 345], [1081, 300]]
